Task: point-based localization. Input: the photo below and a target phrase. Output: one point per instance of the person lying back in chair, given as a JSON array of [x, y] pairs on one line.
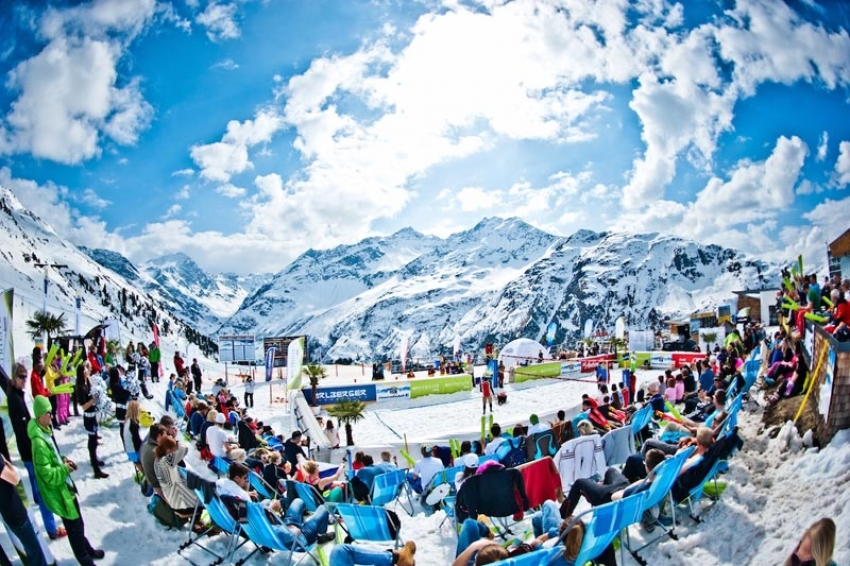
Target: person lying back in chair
[[291, 527], [475, 545]]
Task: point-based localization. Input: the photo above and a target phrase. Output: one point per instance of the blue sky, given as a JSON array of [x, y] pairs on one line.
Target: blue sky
[[243, 132]]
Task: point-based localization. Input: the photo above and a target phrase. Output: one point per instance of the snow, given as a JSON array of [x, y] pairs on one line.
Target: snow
[[776, 487]]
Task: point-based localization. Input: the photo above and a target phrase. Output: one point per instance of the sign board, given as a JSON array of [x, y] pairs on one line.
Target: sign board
[[570, 368], [825, 397], [389, 391], [282, 345], [332, 395], [641, 340], [236, 348], [440, 386]]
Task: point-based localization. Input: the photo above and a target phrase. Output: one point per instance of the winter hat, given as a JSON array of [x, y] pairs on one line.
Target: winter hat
[[470, 460], [219, 418], [41, 406], [533, 419]]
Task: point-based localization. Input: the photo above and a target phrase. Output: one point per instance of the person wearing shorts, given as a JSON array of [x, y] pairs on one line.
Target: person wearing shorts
[[487, 392]]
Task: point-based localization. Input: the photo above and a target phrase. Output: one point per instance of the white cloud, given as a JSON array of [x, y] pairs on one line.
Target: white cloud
[[183, 194], [226, 64], [823, 146], [220, 21], [218, 161], [842, 165], [740, 209], [230, 191], [92, 199], [172, 211], [69, 94], [188, 172]]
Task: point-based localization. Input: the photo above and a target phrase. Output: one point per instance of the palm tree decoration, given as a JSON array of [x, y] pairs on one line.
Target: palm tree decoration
[[314, 373], [348, 411], [709, 338], [617, 343], [43, 323]]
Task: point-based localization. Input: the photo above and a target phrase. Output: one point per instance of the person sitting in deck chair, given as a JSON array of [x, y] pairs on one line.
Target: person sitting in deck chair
[[425, 469]]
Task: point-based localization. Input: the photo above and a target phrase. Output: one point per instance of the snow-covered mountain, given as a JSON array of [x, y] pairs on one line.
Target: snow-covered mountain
[[191, 293], [106, 292], [500, 280]]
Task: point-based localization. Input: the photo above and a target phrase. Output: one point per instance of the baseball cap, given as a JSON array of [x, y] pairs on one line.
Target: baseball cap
[[219, 418], [470, 460]]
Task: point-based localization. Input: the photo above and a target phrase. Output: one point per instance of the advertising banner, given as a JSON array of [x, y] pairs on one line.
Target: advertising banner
[[440, 386], [660, 360], [589, 364], [570, 368], [825, 396], [536, 371], [388, 391], [684, 358], [332, 395]]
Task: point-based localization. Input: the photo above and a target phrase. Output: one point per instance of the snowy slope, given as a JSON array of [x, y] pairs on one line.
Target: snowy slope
[[192, 294], [500, 280], [28, 239]]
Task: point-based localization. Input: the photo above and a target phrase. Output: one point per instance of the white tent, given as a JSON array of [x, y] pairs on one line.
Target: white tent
[[520, 351]]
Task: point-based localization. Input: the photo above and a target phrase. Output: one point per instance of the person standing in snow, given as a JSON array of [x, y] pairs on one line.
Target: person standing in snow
[[20, 417], [53, 475], [154, 357], [197, 376], [87, 398]]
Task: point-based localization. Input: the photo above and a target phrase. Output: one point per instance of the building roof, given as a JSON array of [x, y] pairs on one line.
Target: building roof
[[757, 291], [840, 247]]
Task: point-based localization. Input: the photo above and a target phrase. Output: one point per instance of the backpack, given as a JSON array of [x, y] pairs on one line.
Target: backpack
[[511, 452]]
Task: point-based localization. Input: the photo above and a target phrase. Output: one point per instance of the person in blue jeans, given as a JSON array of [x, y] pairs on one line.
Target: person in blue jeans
[[475, 546], [351, 555], [307, 532]]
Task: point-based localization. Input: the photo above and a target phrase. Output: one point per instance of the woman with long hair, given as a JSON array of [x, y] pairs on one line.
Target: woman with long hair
[[816, 546], [87, 398], [130, 434]]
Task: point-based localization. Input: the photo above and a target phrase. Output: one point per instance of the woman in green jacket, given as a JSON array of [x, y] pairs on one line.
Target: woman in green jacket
[[53, 476]]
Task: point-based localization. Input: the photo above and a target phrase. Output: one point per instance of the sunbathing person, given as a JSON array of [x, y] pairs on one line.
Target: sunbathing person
[[351, 555]]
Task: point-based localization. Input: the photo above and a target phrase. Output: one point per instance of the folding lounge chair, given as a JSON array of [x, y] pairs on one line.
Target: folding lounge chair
[[220, 517], [222, 466], [263, 489], [690, 486], [449, 510], [368, 523], [541, 444], [618, 444], [606, 523], [261, 532], [307, 493], [640, 420], [662, 482], [497, 493], [390, 488]]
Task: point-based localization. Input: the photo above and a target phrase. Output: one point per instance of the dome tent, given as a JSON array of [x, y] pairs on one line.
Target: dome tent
[[520, 351]]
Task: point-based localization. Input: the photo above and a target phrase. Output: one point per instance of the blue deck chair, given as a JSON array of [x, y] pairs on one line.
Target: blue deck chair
[[662, 482], [641, 420], [220, 466], [260, 486], [606, 523], [577, 419], [540, 557], [261, 532], [488, 458], [307, 493], [449, 509], [690, 487], [368, 523], [391, 488], [205, 491]]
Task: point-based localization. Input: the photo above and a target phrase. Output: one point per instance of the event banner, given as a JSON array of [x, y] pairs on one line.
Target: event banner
[[570, 368], [332, 395], [7, 350], [389, 391], [536, 371], [440, 386]]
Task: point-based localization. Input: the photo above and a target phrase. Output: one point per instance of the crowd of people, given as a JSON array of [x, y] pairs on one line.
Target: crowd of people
[[690, 402]]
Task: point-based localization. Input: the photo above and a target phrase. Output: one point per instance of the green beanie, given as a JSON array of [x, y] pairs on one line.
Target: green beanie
[[41, 405], [533, 419]]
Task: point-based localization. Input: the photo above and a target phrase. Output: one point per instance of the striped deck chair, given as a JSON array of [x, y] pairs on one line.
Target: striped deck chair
[[263, 489], [663, 478], [220, 466], [391, 488], [540, 557], [262, 533], [368, 523], [605, 523]]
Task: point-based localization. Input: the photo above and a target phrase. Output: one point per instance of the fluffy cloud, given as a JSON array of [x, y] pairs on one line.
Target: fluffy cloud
[[220, 21], [70, 93], [230, 191], [218, 161], [842, 165], [823, 146]]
